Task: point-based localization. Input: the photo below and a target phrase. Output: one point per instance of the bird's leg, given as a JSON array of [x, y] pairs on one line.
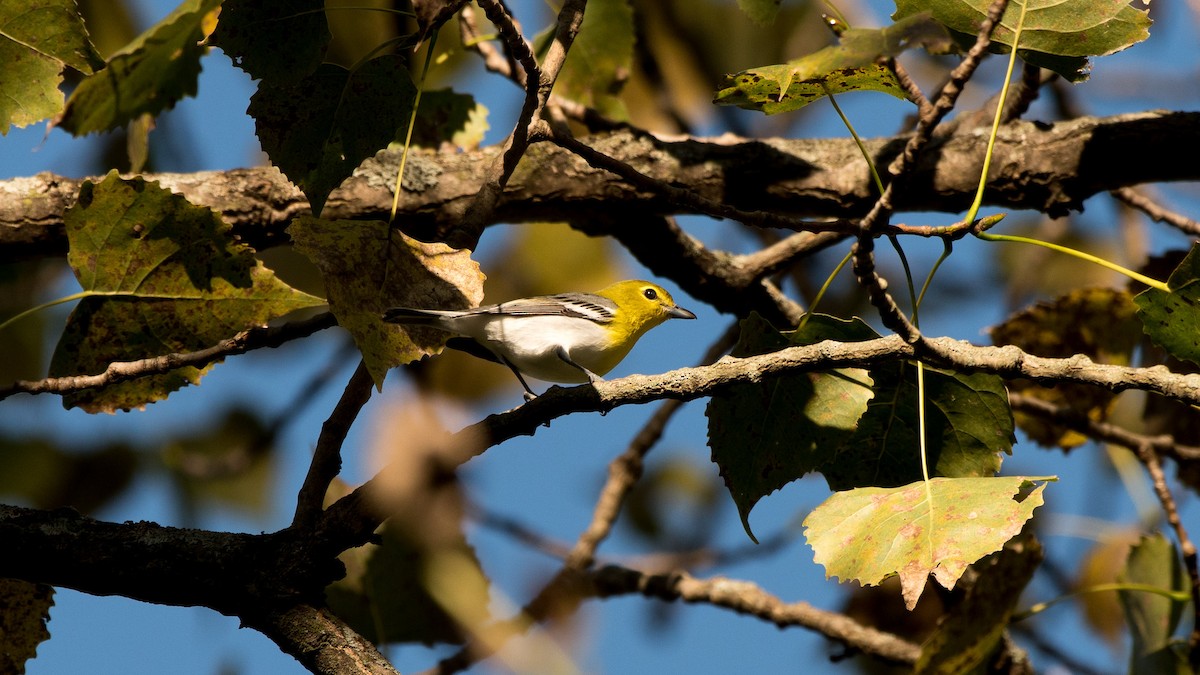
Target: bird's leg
[[561, 353], [529, 395]]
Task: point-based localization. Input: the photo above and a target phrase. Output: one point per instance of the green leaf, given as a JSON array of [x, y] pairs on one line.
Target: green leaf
[[273, 41], [1096, 322], [869, 534], [600, 58], [970, 633], [369, 267], [1056, 34], [445, 116], [761, 12], [318, 129], [149, 75], [1152, 619], [26, 608], [849, 65], [1170, 319], [37, 38], [968, 425], [160, 276], [764, 436]]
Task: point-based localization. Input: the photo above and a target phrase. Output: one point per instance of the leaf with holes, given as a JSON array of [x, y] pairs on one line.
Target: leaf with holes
[[870, 534], [850, 65], [273, 41], [160, 276]]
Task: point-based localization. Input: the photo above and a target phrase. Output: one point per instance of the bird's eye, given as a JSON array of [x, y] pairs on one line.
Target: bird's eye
[[650, 294]]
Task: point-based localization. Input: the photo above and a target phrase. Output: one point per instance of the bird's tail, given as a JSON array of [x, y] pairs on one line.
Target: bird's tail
[[414, 317]]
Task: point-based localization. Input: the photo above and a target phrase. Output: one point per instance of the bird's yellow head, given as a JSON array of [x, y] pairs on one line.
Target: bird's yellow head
[[641, 305]]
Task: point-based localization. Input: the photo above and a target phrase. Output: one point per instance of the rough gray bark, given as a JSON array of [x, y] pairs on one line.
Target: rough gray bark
[[1045, 167]]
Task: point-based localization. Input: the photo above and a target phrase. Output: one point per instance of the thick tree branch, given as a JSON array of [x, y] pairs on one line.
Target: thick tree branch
[[1048, 167], [350, 521], [322, 642], [327, 457]]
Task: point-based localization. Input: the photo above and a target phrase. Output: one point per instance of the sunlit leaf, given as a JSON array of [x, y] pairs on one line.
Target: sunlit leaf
[[26, 611], [318, 129], [849, 65], [764, 436], [1152, 619], [1170, 319], [273, 41], [869, 534], [164, 276], [1056, 34], [37, 38], [149, 75], [1096, 322], [369, 267]]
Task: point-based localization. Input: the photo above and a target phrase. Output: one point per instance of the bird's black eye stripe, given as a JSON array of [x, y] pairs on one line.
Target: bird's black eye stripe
[[650, 294]]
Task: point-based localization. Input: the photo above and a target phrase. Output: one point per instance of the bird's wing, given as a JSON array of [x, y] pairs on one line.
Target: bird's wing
[[579, 305], [588, 306]]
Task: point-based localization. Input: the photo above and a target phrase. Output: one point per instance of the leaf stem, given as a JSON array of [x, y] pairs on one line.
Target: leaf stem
[[987, 157], [1152, 283], [76, 296], [857, 141], [1177, 596], [412, 122], [824, 287]]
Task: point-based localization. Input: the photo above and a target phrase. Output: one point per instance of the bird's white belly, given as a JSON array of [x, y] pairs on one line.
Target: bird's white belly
[[530, 343]]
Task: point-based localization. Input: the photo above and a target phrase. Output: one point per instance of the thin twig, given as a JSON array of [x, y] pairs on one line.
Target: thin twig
[[497, 174], [327, 458], [1138, 199], [874, 222], [121, 371], [744, 597], [1106, 432]]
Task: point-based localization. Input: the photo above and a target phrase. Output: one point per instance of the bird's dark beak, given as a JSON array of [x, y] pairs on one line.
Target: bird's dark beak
[[680, 313]]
